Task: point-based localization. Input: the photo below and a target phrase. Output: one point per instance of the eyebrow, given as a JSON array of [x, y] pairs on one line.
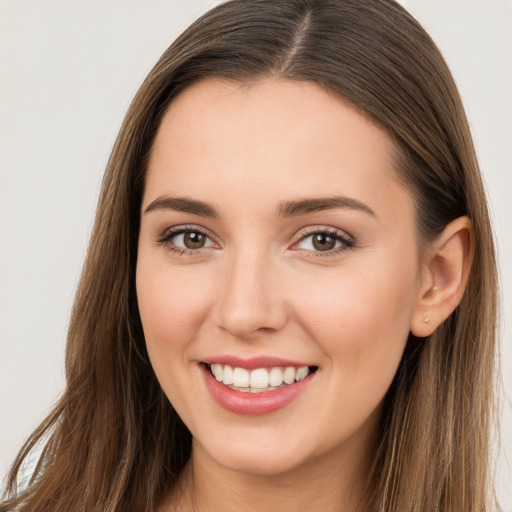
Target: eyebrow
[[183, 204], [312, 205], [285, 209]]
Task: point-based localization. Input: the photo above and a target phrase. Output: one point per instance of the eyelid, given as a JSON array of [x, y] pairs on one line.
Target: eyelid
[[170, 232], [346, 239]]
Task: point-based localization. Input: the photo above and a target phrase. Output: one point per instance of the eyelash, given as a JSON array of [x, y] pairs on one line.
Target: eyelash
[[166, 239], [347, 242]]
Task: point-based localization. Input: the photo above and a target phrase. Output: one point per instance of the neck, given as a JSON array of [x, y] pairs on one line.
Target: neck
[[331, 483]]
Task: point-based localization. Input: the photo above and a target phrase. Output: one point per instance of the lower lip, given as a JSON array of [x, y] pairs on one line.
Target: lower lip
[[240, 402]]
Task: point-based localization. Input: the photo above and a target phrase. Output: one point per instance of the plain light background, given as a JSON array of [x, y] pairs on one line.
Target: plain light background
[[68, 70]]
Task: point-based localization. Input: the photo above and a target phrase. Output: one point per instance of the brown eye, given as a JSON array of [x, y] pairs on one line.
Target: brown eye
[[323, 242], [188, 239], [194, 240]]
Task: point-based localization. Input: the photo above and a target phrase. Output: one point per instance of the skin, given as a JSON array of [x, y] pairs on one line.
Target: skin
[[259, 287]]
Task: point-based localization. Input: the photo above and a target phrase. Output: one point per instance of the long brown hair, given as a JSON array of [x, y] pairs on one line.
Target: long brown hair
[[114, 442]]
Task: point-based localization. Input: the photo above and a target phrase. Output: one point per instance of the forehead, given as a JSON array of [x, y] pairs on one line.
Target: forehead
[[272, 140]]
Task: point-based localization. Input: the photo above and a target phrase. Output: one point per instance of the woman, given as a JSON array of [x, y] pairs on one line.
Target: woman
[[292, 247]]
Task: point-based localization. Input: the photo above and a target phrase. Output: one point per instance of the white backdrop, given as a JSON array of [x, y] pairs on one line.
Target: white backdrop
[[68, 70]]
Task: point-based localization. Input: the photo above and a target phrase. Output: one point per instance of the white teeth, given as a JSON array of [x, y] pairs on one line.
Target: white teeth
[[289, 375], [301, 373], [275, 377], [228, 375], [240, 378], [259, 379], [217, 371]]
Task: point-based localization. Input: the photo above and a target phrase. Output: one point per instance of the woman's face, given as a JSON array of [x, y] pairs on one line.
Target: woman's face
[[275, 235]]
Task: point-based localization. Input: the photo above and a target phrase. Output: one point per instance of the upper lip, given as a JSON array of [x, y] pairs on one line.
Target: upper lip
[[253, 362]]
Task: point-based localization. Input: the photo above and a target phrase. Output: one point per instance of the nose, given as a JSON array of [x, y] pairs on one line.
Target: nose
[[250, 300]]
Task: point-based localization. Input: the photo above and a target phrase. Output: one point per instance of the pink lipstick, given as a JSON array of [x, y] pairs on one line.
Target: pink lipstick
[[255, 386]]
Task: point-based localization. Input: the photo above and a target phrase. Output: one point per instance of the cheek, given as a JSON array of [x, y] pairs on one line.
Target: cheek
[[172, 306], [361, 321]]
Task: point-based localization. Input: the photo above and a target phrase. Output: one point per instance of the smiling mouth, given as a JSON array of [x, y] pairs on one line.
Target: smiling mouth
[[258, 380]]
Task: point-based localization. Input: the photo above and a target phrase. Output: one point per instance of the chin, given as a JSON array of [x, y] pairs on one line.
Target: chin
[[262, 454], [258, 463]]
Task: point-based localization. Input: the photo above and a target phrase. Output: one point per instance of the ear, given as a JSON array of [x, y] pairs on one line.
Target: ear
[[445, 272]]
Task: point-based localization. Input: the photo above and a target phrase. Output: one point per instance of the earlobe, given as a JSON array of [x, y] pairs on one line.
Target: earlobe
[[446, 269]]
